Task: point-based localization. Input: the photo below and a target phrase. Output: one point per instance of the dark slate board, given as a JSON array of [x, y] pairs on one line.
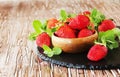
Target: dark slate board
[[111, 61], [79, 60]]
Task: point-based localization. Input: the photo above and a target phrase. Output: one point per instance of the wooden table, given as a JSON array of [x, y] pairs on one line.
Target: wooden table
[[17, 57]]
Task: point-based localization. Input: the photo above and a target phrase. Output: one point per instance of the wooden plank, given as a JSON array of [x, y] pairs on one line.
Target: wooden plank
[[17, 57], [60, 71]]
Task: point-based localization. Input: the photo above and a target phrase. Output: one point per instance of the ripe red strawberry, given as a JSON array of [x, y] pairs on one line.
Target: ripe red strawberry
[[106, 25], [43, 39], [51, 23], [65, 32], [97, 52], [84, 33], [79, 22]]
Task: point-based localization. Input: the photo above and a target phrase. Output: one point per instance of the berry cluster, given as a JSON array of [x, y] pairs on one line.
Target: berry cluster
[[80, 26]]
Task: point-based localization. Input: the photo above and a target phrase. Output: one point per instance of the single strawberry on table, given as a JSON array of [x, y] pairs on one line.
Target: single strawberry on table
[[43, 39], [97, 52], [79, 22], [106, 25], [65, 32]]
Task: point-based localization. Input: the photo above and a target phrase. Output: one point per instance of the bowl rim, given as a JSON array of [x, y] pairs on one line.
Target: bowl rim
[[95, 33]]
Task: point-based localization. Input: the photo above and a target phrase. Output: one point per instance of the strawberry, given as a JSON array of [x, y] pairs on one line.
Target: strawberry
[[43, 39], [106, 25], [97, 52], [69, 20], [79, 22], [65, 32], [86, 13], [51, 23], [84, 33]]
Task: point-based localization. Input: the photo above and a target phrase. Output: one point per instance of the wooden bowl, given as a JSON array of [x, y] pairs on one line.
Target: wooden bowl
[[74, 45]]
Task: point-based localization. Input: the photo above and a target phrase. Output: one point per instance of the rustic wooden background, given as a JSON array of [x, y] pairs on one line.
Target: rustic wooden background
[[17, 57]]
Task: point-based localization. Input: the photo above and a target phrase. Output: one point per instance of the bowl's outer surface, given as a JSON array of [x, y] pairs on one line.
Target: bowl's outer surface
[[74, 45]]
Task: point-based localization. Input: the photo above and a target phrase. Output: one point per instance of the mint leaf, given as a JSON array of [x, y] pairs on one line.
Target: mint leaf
[[71, 15], [33, 36], [44, 25], [37, 26], [46, 48], [96, 17], [51, 31], [108, 38], [117, 32], [63, 14], [57, 50], [50, 52]]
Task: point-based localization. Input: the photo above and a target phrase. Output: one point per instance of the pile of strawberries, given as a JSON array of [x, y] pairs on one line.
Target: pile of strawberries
[[78, 27]]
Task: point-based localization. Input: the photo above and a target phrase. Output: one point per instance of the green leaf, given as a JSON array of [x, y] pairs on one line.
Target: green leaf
[[71, 15], [44, 25], [57, 50], [96, 17], [50, 52], [33, 36], [49, 31], [37, 26], [117, 32], [93, 13], [63, 14], [108, 39], [112, 44], [46, 48]]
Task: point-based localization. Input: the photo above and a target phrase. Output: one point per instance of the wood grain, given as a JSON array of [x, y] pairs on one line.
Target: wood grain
[[17, 57]]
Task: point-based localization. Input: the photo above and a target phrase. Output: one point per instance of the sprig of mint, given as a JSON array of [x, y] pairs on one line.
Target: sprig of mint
[[64, 15], [51, 51], [96, 17], [40, 27], [108, 38]]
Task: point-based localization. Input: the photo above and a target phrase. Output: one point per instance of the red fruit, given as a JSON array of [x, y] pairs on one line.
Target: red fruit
[[65, 32], [51, 23], [97, 52], [86, 13], [43, 39], [84, 33], [106, 25], [76, 31], [79, 22], [69, 19]]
